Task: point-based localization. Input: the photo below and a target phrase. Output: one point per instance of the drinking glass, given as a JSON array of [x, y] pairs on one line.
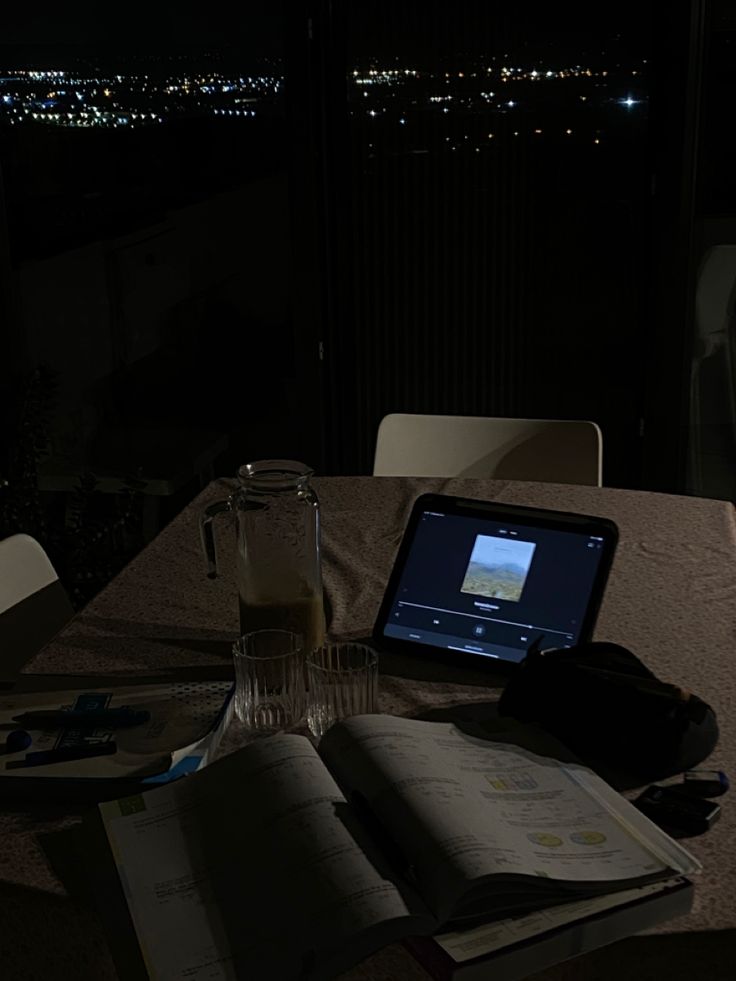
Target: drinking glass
[[269, 679], [343, 681]]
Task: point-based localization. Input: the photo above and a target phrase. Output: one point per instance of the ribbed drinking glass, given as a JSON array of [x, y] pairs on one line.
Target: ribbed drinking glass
[[269, 680], [342, 681]]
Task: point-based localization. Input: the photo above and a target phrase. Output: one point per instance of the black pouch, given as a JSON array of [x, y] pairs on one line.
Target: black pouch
[[612, 712]]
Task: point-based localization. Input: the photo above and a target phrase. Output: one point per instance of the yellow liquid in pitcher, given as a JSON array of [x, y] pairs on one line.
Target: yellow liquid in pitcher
[[302, 615]]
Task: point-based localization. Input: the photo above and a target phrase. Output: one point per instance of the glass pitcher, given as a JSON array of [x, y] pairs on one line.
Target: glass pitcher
[[278, 562]]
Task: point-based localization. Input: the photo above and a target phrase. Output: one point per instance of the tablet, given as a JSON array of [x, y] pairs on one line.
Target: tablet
[[481, 581]]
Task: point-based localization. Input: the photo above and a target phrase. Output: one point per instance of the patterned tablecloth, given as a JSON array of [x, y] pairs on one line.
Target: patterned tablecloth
[[671, 598]]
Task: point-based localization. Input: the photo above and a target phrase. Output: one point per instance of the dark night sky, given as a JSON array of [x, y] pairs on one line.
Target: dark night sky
[[420, 27], [374, 26], [144, 25]]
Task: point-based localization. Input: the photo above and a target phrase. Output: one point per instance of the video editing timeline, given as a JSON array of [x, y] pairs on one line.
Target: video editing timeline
[[480, 586]]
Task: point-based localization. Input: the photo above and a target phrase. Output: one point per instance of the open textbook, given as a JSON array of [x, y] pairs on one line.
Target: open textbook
[[280, 861]]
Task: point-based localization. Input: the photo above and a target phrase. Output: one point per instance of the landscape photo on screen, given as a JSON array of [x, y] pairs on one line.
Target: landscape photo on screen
[[498, 567]]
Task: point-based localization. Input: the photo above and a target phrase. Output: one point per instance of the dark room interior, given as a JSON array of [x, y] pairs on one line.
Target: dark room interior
[[367, 383], [224, 240]]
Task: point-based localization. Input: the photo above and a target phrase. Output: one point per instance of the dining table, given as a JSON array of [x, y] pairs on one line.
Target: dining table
[[670, 598]]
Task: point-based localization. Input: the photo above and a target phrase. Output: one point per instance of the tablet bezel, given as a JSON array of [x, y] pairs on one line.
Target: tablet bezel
[[584, 524]]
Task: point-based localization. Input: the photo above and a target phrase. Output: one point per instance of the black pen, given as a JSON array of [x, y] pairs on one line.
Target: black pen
[[45, 757], [116, 718]]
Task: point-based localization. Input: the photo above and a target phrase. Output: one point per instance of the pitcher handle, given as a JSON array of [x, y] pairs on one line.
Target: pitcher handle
[[207, 533]]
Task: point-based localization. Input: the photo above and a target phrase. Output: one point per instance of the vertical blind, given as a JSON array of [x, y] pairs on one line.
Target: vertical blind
[[487, 263]]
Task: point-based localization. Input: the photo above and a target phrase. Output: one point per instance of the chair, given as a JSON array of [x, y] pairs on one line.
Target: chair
[[712, 377], [559, 451], [34, 605]]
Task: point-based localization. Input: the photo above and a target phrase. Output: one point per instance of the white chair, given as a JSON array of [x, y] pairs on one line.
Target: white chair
[[34, 605], [558, 451], [712, 379]]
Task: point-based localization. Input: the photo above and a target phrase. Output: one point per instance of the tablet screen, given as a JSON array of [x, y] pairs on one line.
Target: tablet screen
[[486, 585]]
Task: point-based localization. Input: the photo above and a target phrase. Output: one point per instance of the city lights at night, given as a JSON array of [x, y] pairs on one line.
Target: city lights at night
[[71, 99], [66, 98], [451, 107]]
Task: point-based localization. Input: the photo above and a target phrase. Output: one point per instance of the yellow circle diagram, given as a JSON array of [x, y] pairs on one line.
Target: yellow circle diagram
[[543, 838], [588, 838]]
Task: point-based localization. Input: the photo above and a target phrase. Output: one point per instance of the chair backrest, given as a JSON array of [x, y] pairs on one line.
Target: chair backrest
[[34, 605], [558, 451], [713, 376], [715, 296]]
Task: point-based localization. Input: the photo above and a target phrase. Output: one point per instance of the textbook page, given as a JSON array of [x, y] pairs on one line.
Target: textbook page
[[254, 867], [461, 808]]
